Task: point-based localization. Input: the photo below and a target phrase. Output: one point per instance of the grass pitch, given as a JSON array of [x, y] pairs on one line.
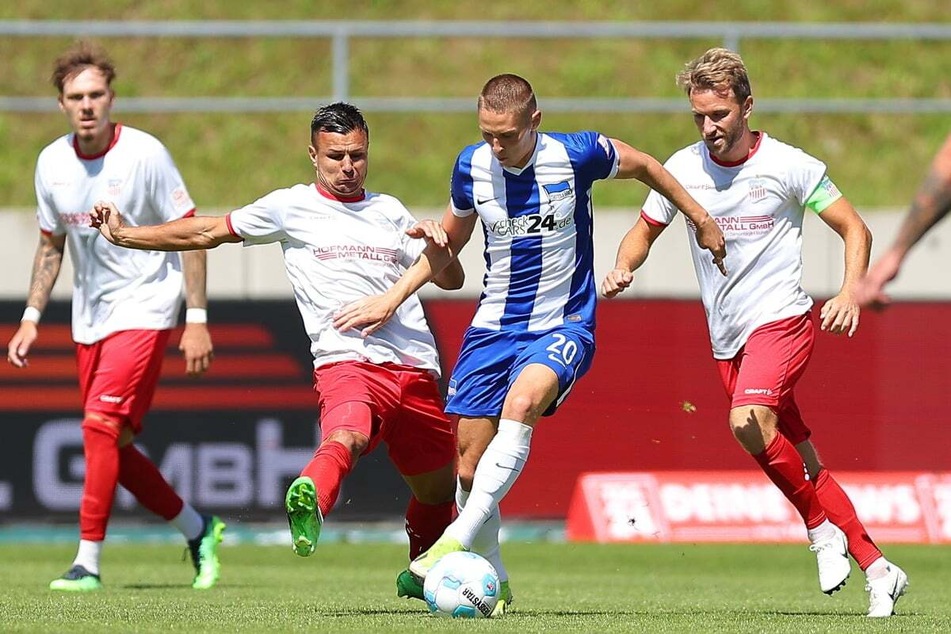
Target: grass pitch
[[558, 588]]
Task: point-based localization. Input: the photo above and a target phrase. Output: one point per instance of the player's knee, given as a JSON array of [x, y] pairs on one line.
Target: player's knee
[[752, 428], [105, 424], [355, 442], [522, 407]]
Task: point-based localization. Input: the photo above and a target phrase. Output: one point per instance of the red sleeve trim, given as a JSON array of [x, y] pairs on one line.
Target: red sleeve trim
[[190, 213], [231, 227], [651, 221], [46, 233]]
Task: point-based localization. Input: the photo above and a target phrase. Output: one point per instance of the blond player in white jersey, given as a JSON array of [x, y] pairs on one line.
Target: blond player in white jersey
[[124, 305], [342, 243], [758, 190]]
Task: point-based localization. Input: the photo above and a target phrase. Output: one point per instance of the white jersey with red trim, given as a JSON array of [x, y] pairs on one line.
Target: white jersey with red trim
[[759, 205], [337, 251], [114, 289]]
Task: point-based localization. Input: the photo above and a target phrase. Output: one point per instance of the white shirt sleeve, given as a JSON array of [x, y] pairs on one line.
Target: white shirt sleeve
[[805, 174], [46, 216], [170, 197], [261, 222]]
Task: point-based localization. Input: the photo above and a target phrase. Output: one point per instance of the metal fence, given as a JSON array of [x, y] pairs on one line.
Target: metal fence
[[342, 32]]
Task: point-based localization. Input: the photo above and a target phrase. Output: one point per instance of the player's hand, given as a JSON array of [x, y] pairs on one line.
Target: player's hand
[[105, 217], [196, 347], [871, 290], [20, 344], [367, 315], [840, 315], [616, 281], [431, 230], [710, 237]]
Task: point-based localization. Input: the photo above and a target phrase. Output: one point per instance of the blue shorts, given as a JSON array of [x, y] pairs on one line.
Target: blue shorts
[[491, 360]]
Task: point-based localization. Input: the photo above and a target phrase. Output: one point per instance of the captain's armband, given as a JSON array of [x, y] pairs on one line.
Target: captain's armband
[[824, 195]]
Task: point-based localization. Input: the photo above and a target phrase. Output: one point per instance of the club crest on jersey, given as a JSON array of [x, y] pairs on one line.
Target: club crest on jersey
[[558, 191], [114, 186], [758, 191]]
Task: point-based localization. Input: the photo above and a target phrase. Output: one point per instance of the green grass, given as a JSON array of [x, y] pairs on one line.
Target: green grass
[[558, 588], [229, 160]]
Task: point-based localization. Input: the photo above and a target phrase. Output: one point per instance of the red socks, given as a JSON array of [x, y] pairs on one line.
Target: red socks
[[100, 446], [330, 465], [142, 478], [783, 465], [425, 523], [839, 508]]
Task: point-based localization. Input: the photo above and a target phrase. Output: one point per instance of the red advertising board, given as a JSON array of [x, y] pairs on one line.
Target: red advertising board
[[743, 506]]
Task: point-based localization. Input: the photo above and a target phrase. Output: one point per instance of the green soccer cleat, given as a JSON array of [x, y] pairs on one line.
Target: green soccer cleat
[[409, 586], [303, 515], [77, 579], [204, 552], [505, 600], [420, 566]]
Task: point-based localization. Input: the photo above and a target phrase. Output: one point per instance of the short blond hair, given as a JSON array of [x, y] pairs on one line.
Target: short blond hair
[[720, 70], [508, 93]]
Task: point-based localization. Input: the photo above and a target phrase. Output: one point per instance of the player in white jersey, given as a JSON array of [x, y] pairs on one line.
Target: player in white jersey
[[758, 190], [341, 243], [932, 203], [533, 335], [124, 306]]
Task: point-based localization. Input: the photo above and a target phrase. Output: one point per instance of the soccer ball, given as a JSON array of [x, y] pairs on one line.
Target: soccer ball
[[462, 585]]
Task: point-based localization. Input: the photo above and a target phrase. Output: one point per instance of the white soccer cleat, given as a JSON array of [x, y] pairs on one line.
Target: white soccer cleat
[[883, 593], [832, 555]]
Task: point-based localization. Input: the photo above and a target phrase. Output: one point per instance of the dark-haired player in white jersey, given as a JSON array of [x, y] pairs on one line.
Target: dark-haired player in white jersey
[[341, 243], [124, 305], [758, 189], [532, 337]]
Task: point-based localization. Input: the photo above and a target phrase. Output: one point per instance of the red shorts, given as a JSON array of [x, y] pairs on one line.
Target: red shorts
[[406, 412], [766, 370], [118, 375]]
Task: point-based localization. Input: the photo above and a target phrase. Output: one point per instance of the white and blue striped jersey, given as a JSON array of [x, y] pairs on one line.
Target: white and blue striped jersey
[[537, 222]]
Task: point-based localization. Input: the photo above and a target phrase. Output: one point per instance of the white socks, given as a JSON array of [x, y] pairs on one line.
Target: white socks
[[495, 474], [823, 531], [486, 541], [189, 522], [88, 555]]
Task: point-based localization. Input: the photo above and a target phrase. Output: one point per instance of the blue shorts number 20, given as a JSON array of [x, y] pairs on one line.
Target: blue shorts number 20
[[491, 360]]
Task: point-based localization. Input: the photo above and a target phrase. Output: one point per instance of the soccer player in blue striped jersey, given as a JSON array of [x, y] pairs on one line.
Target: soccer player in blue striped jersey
[[532, 337]]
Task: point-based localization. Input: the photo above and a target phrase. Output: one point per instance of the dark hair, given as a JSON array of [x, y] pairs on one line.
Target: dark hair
[[82, 55], [508, 93], [338, 117]]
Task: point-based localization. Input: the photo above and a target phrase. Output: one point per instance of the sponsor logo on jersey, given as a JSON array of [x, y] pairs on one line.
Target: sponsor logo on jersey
[[75, 218], [741, 224], [758, 390], [532, 224], [109, 398], [356, 251]]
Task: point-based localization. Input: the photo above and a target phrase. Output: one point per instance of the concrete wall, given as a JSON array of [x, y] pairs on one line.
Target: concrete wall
[[237, 272]]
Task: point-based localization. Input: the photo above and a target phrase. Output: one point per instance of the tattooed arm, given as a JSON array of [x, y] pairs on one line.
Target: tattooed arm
[[46, 266], [932, 202], [195, 343]]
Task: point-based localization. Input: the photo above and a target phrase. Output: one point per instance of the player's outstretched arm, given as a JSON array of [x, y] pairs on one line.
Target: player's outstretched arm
[[438, 262], [631, 254], [840, 315], [932, 202], [645, 168], [184, 234]]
